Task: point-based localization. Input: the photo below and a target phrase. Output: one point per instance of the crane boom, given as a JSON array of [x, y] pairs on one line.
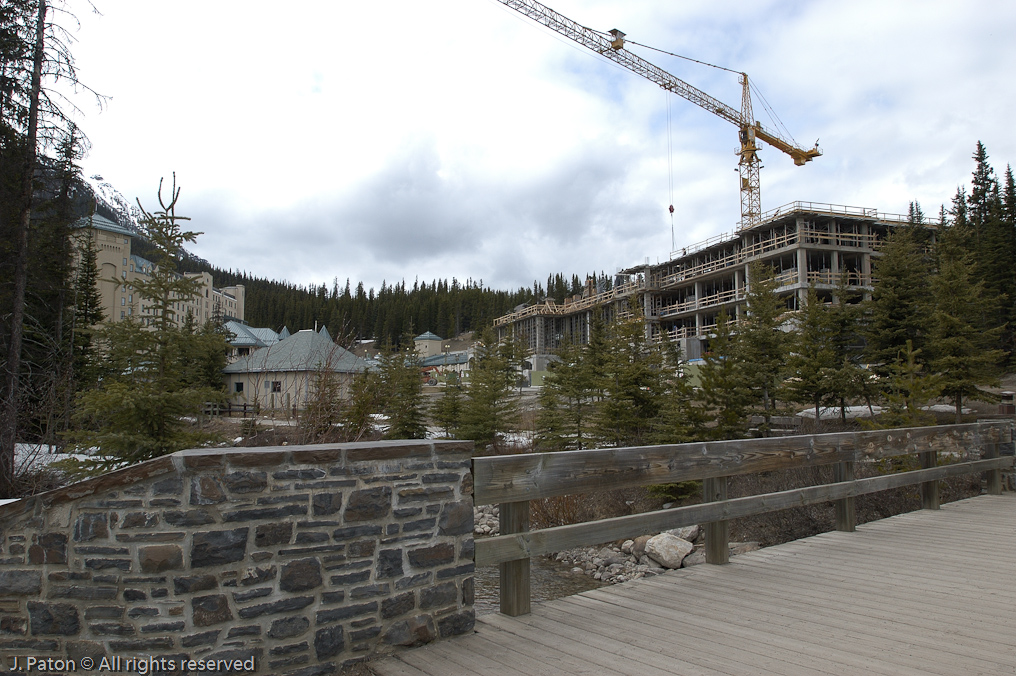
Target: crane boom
[[612, 47]]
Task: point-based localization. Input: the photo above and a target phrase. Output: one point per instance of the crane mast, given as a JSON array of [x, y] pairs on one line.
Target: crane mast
[[750, 131]]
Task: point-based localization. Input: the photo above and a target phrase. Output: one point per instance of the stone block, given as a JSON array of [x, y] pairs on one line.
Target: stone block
[[89, 527], [369, 504], [300, 575], [140, 520], [199, 639], [205, 490], [429, 557], [428, 494], [326, 504], [209, 610], [48, 548], [48, 619], [398, 605], [258, 574], [160, 558], [439, 596], [257, 513], [216, 548], [389, 564], [191, 517], [289, 627], [457, 623], [456, 518], [268, 534], [20, 582], [246, 482], [283, 606], [329, 642], [414, 631], [185, 584], [338, 614]]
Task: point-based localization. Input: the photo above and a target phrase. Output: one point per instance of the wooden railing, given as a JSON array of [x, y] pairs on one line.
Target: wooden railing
[[512, 481]]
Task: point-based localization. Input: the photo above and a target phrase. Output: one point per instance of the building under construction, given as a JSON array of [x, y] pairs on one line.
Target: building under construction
[[805, 243]]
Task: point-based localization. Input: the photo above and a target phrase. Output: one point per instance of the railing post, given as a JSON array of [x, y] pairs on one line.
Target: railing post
[[929, 489], [717, 532], [993, 476], [514, 575], [846, 512]]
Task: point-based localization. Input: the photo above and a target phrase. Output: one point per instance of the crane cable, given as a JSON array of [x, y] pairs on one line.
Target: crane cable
[[670, 171]]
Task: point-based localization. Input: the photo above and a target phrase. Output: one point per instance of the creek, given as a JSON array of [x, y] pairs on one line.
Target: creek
[[548, 580]]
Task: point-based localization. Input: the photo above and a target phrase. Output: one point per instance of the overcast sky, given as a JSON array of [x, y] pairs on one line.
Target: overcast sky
[[407, 139]]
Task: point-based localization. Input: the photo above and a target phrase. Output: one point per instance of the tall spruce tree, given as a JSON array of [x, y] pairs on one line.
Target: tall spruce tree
[[150, 392], [567, 401], [814, 361], [762, 343], [491, 408], [726, 394], [899, 311], [633, 383], [962, 351]]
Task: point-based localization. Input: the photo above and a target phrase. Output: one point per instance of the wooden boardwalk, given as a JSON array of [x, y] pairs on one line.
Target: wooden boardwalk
[[929, 592]]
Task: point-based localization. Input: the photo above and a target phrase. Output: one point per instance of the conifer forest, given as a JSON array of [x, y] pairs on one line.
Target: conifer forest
[[938, 326]]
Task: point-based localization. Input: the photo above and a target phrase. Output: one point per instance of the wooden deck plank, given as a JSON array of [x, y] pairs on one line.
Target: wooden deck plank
[[851, 622], [887, 599]]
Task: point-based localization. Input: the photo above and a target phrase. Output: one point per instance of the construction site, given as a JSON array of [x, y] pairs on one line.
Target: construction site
[[805, 243]]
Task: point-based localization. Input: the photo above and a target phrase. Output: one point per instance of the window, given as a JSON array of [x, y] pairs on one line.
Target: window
[[238, 388], [123, 301], [276, 386], [121, 314]]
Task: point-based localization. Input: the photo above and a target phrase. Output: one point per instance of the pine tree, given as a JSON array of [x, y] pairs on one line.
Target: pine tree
[[814, 361], [447, 409], [762, 343], [633, 384], [725, 390], [679, 420], [400, 375], [149, 386], [491, 409], [899, 311], [961, 349], [567, 401]]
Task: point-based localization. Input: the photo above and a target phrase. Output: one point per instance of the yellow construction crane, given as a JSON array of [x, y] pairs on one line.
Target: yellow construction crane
[[750, 131]]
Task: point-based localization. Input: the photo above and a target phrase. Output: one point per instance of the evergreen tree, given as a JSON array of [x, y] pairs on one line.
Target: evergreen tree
[[908, 390], [814, 361], [400, 375], [491, 409], [633, 384], [679, 420], [961, 353], [761, 343], [149, 386], [567, 401], [447, 410], [725, 390], [899, 311]]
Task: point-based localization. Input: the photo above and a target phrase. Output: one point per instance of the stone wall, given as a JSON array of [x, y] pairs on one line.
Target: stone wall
[[306, 558]]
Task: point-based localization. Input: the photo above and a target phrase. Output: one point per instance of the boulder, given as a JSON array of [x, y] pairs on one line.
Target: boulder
[[668, 550], [638, 547], [689, 533]]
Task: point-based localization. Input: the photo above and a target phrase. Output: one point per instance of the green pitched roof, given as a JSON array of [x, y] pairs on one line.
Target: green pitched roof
[[303, 351]]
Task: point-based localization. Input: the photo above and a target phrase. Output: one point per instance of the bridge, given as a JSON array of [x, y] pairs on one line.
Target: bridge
[[927, 592]]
